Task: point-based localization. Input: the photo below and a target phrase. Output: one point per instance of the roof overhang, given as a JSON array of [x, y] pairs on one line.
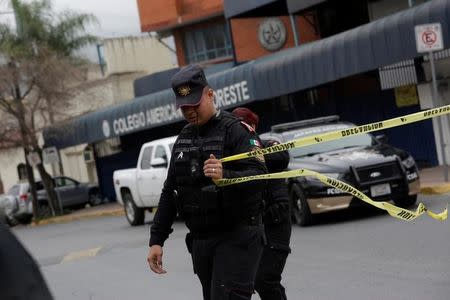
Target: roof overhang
[[362, 49]]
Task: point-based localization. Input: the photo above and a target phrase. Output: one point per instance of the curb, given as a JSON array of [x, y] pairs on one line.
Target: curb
[[436, 189], [70, 218]]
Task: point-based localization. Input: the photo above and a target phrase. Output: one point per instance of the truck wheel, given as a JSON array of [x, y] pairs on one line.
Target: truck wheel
[[301, 215], [43, 209], [26, 219], [135, 215], [406, 202]]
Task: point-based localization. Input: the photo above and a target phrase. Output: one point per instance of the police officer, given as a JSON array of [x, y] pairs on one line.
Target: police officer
[[277, 221], [20, 277], [226, 236]]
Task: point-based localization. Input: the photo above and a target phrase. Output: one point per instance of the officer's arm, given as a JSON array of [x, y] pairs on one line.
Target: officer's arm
[[166, 213], [240, 140], [278, 161]]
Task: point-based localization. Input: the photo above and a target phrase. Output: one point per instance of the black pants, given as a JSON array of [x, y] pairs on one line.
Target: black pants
[[227, 264], [268, 280]]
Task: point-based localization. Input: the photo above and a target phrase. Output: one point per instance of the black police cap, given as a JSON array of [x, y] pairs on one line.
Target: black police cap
[[188, 85]]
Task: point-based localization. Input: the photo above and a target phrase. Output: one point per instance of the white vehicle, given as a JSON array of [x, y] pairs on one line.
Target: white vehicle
[[139, 189], [16, 205]]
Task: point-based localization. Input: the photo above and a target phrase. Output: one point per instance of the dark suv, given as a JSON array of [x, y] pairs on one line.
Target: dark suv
[[369, 164]]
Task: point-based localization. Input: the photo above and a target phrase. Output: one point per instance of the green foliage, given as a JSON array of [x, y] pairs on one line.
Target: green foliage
[[39, 28]]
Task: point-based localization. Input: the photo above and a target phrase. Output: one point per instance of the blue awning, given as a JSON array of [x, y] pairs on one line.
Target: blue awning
[[297, 5], [368, 47], [233, 8]]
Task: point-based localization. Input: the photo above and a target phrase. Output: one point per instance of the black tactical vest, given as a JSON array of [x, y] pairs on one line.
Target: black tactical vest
[[199, 202]]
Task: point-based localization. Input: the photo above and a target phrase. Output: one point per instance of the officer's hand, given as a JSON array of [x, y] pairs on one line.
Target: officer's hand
[[213, 168], [154, 259]]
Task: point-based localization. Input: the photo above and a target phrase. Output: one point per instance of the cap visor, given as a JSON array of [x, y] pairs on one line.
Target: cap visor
[[193, 99]]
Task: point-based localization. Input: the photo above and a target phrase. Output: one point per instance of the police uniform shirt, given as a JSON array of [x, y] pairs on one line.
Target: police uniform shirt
[[239, 139]]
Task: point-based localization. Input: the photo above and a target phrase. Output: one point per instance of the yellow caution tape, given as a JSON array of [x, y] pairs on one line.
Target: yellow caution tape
[[393, 210], [334, 135]]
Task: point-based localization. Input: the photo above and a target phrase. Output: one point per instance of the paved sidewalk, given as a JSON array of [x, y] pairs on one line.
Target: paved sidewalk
[[431, 179], [107, 209]]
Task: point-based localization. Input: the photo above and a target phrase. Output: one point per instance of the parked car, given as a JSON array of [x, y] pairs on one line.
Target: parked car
[[369, 164], [2, 214], [139, 189], [70, 193], [17, 205]]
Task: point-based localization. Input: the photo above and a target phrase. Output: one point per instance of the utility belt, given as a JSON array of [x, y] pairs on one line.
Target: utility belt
[[212, 232]]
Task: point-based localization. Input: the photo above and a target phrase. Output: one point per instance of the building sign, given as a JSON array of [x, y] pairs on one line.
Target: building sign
[[272, 34], [106, 128], [50, 155], [406, 96], [429, 37], [232, 94], [142, 120], [33, 159]]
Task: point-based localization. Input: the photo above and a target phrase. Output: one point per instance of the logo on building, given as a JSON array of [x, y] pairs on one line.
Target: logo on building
[[106, 128], [272, 34]]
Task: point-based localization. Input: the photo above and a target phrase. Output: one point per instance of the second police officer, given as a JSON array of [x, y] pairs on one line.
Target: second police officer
[[277, 221], [226, 236]]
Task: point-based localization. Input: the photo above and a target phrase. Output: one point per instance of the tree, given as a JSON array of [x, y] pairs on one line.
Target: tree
[[39, 74]]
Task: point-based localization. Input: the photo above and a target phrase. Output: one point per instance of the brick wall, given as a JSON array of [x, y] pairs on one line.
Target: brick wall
[[179, 33], [245, 36], [157, 15]]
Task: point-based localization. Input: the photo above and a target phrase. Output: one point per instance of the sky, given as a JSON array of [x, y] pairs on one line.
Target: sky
[[116, 17]]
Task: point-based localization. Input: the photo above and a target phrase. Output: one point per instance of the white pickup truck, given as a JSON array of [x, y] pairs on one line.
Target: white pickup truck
[[139, 189]]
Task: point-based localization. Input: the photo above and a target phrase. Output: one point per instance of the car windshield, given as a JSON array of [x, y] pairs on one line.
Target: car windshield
[[343, 143]]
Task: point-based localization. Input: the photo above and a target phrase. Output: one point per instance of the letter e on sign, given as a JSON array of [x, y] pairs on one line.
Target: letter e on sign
[[429, 37]]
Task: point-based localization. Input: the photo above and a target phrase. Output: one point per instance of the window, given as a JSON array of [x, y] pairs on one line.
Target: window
[[22, 171], [161, 152], [207, 43], [146, 158], [14, 190], [69, 182]]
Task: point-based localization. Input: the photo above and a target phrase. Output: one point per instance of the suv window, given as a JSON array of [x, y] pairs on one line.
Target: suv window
[[146, 158], [69, 182], [14, 190], [161, 152]]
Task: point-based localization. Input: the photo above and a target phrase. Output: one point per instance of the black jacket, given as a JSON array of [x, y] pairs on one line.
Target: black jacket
[[277, 217], [238, 139], [20, 277]]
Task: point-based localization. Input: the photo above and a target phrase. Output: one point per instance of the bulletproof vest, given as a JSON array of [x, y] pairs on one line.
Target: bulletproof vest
[[199, 201]]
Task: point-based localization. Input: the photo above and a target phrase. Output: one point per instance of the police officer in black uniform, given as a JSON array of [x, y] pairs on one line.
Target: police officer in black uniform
[[226, 238], [20, 277], [277, 221]]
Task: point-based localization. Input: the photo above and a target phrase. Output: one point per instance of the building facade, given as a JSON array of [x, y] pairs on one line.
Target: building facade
[[126, 59], [289, 60]]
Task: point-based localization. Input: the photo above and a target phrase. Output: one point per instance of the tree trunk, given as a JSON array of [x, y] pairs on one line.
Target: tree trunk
[[49, 186], [32, 183], [30, 143], [25, 144], [51, 118], [47, 180]]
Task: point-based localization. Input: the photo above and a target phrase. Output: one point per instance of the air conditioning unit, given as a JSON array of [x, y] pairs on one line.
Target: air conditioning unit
[[88, 155]]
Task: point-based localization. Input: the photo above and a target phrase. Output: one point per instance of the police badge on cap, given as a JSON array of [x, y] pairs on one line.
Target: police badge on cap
[[188, 85]]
